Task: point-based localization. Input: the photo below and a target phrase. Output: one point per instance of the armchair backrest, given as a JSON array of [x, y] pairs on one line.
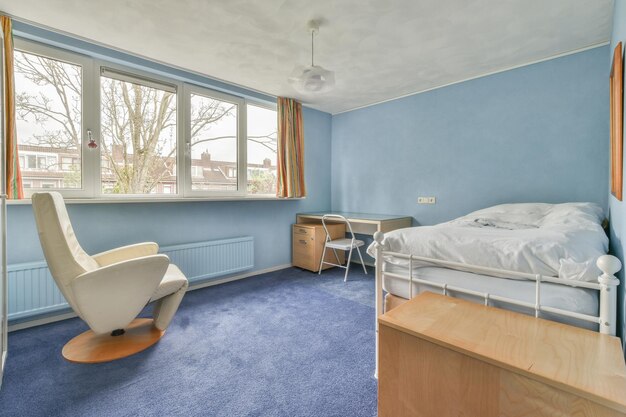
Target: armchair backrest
[[64, 255]]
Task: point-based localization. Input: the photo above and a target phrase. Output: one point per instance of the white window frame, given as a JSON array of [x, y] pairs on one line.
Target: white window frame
[[242, 137], [122, 73], [89, 158], [269, 106], [91, 184]]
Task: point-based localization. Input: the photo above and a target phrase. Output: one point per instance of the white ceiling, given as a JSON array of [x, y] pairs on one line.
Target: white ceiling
[[378, 49]]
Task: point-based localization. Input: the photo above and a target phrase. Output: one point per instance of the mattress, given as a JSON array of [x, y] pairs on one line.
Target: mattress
[[557, 240], [579, 300]]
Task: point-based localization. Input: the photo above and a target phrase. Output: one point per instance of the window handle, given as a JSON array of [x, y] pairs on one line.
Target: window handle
[[92, 142], [188, 148]]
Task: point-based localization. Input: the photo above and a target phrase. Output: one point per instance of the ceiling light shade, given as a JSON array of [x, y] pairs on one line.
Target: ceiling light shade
[[312, 79]]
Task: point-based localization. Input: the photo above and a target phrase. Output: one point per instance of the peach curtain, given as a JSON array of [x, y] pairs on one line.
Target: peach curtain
[[290, 173], [13, 176]]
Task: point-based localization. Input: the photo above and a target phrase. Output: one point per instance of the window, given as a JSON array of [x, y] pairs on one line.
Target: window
[[262, 148], [49, 100], [91, 129], [31, 162], [52, 163], [138, 135], [66, 163], [38, 162], [214, 148], [197, 171]]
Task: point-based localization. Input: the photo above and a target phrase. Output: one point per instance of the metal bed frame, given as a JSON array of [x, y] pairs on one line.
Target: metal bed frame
[[606, 285]]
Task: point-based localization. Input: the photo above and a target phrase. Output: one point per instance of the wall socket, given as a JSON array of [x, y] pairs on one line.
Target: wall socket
[[426, 200]]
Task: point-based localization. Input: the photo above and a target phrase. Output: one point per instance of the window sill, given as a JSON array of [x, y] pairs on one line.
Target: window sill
[[131, 200]]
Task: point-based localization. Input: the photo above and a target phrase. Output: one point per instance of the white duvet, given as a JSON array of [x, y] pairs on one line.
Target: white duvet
[[561, 240]]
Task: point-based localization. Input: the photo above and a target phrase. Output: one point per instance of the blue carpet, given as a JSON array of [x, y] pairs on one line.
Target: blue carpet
[[287, 343]]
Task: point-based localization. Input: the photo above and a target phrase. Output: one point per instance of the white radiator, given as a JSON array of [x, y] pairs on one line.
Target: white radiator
[[33, 292]]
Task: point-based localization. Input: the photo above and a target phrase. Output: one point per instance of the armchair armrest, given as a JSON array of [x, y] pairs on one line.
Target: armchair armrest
[[126, 253], [110, 297]]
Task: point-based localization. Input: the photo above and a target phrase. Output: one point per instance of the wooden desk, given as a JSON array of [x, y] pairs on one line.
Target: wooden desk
[[441, 356], [363, 223]]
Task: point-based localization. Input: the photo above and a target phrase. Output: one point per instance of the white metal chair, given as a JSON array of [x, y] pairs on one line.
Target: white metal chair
[[345, 244]]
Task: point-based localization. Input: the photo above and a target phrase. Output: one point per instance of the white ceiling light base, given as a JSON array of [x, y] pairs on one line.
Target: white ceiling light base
[[312, 79]]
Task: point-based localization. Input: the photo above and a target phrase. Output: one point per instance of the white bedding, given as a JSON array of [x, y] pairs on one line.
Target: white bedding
[[568, 298], [561, 240]]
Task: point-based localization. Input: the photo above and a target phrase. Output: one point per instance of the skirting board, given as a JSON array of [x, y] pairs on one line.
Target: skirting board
[[69, 315]]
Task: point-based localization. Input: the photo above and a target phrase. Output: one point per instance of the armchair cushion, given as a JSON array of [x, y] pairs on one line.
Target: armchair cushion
[[173, 281], [126, 253], [112, 296]]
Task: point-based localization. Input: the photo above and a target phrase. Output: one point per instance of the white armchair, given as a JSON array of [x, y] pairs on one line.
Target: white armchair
[[107, 290]]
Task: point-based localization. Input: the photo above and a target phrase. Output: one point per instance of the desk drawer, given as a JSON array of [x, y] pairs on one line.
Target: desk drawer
[[303, 243], [303, 254], [299, 229]]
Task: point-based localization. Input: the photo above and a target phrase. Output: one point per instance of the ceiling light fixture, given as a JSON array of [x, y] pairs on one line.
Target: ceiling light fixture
[[312, 79]]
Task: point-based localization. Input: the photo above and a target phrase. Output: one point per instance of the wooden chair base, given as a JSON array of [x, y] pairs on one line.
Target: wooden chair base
[[89, 347]]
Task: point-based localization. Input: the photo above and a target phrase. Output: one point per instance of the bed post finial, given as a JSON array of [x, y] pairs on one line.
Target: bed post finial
[[378, 237], [609, 265]]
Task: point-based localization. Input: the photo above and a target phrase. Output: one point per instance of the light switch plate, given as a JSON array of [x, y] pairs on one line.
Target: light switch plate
[[426, 200]]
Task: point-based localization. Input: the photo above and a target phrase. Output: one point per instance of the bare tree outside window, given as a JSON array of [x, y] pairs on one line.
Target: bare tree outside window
[[262, 144], [49, 113], [138, 141], [138, 138]]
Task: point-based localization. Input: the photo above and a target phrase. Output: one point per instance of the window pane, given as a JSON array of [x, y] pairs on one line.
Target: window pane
[[262, 142], [48, 104], [32, 162], [213, 144], [138, 146]]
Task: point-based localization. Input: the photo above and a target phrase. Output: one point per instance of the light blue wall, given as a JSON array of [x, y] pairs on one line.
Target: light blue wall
[[536, 133], [104, 226], [618, 208]]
